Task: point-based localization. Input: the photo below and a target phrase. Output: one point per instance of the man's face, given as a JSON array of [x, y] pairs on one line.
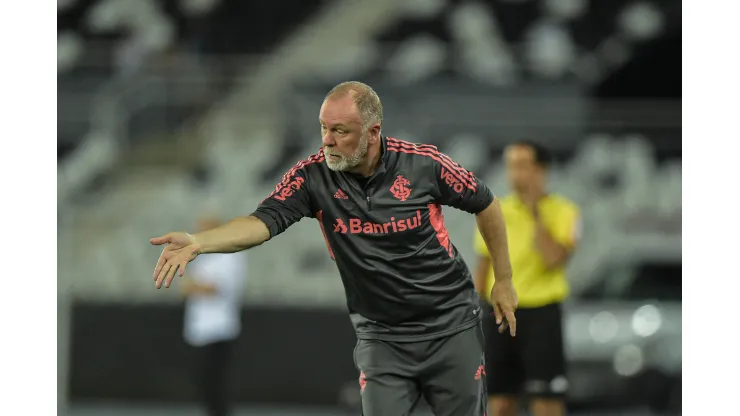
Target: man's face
[[521, 168], [342, 135]]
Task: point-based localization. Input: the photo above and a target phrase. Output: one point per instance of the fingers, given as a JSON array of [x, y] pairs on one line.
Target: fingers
[[497, 313], [162, 275], [168, 265], [181, 268], [171, 275], [185, 261], [503, 326], [511, 319], [162, 257], [167, 274], [158, 241], [160, 263]]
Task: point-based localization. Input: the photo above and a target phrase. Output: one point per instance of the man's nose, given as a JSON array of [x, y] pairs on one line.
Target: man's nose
[[327, 139]]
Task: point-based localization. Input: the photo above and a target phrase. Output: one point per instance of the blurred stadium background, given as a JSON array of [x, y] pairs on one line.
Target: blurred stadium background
[[235, 86]]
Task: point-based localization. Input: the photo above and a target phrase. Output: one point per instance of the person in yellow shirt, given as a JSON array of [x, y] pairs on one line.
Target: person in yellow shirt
[[543, 230]]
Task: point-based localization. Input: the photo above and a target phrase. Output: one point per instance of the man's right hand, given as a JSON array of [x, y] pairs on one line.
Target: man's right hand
[[180, 249]]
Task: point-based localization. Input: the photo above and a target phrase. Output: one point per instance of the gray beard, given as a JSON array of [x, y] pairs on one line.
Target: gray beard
[[346, 163]]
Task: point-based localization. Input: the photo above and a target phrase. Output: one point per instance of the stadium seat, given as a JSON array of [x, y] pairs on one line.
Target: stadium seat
[[611, 175], [465, 149], [604, 215], [560, 39]]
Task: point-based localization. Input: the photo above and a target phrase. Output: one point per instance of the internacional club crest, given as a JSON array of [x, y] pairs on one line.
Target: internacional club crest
[[400, 188]]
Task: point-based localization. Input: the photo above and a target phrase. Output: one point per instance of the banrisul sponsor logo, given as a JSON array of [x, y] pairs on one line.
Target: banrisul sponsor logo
[[395, 225]]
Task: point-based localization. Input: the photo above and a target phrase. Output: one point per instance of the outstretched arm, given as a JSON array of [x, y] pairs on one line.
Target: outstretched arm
[[182, 248], [286, 205], [236, 235]]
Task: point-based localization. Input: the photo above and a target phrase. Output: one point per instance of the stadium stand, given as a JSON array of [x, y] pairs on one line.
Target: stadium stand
[[466, 75], [506, 42], [641, 189], [99, 41], [620, 161]]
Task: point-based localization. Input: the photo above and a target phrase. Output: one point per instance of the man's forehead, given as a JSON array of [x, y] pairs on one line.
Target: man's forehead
[[519, 150], [339, 110]]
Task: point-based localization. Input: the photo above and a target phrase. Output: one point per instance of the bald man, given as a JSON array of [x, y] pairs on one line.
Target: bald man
[[378, 201]]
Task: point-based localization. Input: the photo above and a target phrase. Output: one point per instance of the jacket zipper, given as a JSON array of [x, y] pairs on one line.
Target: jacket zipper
[[367, 193]]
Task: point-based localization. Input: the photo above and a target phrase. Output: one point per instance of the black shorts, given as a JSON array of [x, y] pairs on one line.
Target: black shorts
[[532, 363], [449, 372]]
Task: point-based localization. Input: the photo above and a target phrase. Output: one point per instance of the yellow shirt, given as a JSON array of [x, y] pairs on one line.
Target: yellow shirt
[[535, 285]]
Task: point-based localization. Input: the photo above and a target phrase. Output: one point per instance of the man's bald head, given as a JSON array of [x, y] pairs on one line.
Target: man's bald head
[[366, 100]]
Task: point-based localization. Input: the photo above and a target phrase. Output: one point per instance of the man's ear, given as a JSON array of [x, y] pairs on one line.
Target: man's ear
[[374, 131]]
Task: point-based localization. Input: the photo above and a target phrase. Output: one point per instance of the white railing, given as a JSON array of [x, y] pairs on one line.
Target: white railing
[[119, 99]]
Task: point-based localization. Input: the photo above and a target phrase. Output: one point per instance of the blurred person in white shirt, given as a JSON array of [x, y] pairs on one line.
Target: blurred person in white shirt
[[213, 292]]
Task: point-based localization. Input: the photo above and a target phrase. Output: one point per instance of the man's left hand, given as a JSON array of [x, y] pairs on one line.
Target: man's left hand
[[505, 302]]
